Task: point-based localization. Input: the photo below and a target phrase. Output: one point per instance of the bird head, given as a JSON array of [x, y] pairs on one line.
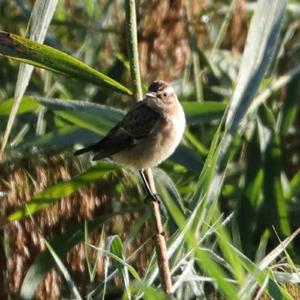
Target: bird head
[[162, 90]]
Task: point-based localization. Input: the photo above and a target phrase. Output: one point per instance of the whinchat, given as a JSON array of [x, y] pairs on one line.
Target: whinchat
[[148, 134]]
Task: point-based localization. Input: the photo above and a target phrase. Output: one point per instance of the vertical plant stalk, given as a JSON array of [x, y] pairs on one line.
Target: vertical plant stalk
[[133, 49], [195, 55], [160, 240], [224, 27]]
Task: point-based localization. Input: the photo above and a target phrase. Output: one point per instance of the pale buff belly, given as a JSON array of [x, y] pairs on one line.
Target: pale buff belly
[[152, 151]]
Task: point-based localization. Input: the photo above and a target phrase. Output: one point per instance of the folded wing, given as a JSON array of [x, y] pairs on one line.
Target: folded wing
[[140, 122]]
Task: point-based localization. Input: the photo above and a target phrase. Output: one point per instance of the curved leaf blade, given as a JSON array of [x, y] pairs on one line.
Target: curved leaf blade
[[46, 57], [38, 24], [199, 112], [28, 104], [260, 47], [95, 117], [92, 115]]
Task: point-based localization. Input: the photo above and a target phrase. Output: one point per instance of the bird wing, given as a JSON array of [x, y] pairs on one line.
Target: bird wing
[[141, 121], [138, 123]]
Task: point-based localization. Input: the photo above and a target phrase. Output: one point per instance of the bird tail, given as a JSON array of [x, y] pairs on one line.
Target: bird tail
[[100, 149], [101, 153], [116, 141], [84, 150]]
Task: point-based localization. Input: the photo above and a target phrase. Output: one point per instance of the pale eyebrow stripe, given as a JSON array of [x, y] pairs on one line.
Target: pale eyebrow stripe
[[169, 90], [150, 94]]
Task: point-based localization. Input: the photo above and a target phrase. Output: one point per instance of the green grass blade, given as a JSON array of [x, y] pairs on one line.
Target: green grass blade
[[225, 244], [275, 86], [294, 187], [95, 117], [260, 46], [42, 56], [224, 26], [246, 214], [61, 244], [195, 57], [198, 112], [39, 22], [275, 210], [117, 250], [28, 104], [72, 287], [195, 142], [205, 262], [55, 141], [187, 157], [206, 61], [257, 270], [148, 292], [290, 107]]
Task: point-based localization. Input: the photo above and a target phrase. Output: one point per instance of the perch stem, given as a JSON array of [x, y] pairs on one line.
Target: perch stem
[[160, 240], [159, 237]]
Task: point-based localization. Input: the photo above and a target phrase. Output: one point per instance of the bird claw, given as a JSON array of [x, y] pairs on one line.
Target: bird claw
[[156, 197]]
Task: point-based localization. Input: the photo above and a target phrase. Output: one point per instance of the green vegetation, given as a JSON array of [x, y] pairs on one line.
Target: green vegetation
[[74, 229]]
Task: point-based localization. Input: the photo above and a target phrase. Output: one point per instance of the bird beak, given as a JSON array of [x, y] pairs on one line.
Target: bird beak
[[151, 94]]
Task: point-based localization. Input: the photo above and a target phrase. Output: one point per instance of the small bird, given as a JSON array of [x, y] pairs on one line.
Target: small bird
[[148, 134]]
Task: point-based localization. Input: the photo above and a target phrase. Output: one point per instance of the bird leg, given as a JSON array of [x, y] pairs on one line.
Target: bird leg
[[154, 196]]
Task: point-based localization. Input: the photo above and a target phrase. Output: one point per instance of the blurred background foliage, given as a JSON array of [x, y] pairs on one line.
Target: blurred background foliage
[[197, 46]]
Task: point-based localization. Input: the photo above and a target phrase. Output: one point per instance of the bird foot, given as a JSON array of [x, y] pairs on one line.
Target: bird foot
[[156, 197]]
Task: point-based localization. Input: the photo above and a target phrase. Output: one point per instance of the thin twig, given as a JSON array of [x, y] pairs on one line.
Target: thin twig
[[160, 241]]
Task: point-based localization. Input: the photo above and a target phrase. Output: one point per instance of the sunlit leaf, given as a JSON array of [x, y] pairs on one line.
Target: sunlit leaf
[[260, 46], [198, 112], [95, 117], [294, 187], [38, 24], [28, 104], [58, 140], [46, 57]]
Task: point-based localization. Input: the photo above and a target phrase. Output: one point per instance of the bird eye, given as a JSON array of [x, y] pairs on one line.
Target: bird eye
[[165, 94]]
